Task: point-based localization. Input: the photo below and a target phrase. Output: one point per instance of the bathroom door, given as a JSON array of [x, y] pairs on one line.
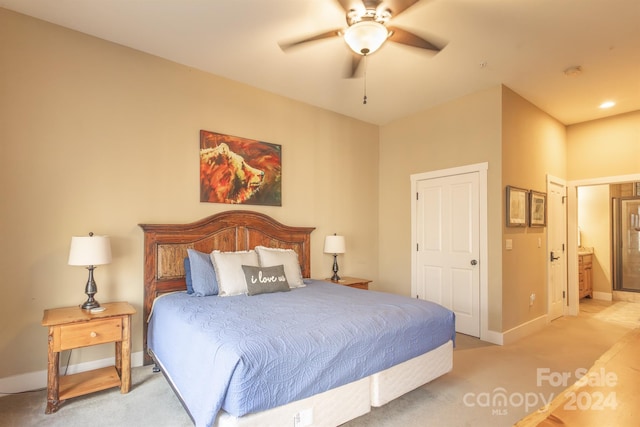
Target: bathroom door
[[626, 237]]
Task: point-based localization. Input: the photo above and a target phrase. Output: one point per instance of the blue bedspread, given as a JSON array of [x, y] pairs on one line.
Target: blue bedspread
[[246, 354]]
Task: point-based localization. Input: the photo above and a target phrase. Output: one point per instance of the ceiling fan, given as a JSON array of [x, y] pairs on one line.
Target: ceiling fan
[[368, 29]]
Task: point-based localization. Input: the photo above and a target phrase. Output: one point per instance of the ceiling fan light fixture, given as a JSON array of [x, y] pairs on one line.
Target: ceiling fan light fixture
[[365, 37]]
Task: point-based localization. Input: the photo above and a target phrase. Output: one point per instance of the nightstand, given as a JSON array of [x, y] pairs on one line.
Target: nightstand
[[353, 282], [73, 327]]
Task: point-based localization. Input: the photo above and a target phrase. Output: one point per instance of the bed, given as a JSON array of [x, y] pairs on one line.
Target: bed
[[316, 353]]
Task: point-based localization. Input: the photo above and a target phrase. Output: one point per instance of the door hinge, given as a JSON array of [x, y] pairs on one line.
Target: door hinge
[[417, 247], [563, 295], [417, 196], [563, 199]]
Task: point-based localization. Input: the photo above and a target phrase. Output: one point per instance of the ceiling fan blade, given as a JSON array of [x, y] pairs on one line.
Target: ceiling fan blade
[[291, 44], [401, 36]]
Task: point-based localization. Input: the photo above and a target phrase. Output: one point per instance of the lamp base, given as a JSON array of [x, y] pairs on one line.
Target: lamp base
[[335, 277], [89, 304], [90, 289]]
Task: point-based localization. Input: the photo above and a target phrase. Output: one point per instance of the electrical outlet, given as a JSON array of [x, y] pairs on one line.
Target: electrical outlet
[[532, 299]]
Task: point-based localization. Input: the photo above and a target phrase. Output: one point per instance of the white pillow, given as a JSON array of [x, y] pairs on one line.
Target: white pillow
[[228, 266], [270, 257]]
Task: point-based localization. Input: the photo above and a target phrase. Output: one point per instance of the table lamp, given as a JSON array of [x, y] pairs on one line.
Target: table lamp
[[90, 251], [334, 245]]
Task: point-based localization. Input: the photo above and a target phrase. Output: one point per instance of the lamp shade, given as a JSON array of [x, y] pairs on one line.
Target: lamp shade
[[365, 37], [334, 244], [90, 250]]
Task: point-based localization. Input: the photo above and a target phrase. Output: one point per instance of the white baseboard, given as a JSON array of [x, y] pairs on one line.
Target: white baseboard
[[604, 296], [493, 337], [38, 380], [525, 329]]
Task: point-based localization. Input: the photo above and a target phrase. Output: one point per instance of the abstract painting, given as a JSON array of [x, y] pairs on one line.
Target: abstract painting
[[239, 170]]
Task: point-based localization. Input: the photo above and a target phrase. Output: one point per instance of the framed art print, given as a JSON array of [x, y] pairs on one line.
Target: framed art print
[[239, 170], [517, 199], [537, 209]]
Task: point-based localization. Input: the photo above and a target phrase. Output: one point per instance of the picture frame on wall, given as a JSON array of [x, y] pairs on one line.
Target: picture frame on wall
[[517, 204], [537, 209], [239, 170]]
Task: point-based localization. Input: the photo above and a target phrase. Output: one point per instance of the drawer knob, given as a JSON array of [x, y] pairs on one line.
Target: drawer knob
[[93, 334]]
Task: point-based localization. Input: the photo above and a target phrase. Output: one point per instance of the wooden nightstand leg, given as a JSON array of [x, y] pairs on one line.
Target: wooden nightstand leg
[[125, 360], [119, 358], [52, 377]]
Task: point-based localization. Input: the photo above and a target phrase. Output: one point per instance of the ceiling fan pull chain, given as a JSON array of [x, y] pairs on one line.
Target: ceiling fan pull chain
[[364, 100]]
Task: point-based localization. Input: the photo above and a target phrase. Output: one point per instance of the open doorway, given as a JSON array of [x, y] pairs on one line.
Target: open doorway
[[594, 243], [608, 243]]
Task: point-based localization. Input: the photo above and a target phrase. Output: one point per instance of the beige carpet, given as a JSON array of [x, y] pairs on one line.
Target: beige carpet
[[521, 374]]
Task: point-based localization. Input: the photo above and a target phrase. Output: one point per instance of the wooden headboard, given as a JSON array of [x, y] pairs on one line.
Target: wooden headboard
[[165, 247]]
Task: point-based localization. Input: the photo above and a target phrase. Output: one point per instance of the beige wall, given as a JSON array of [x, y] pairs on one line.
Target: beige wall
[[98, 137], [458, 133], [604, 148], [533, 145]]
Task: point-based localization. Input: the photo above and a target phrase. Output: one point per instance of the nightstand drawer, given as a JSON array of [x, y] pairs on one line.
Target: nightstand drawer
[[87, 333]]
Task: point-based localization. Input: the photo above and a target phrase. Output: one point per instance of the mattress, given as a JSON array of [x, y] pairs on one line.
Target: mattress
[[337, 406], [306, 342]]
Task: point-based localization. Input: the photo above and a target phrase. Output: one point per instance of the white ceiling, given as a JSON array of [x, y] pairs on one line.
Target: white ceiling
[[524, 44]]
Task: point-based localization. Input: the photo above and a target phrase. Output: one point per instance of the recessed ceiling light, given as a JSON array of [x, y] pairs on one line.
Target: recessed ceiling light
[[607, 104]]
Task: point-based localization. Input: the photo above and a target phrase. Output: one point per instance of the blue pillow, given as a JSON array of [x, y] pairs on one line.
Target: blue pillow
[[187, 275], [203, 275]]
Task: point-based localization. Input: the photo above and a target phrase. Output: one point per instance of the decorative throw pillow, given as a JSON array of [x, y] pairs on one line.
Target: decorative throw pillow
[[228, 267], [264, 280], [270, 257], [203, 276]]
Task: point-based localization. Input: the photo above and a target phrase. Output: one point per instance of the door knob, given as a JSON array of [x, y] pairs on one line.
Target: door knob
[[474, 262], [553, 258]]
